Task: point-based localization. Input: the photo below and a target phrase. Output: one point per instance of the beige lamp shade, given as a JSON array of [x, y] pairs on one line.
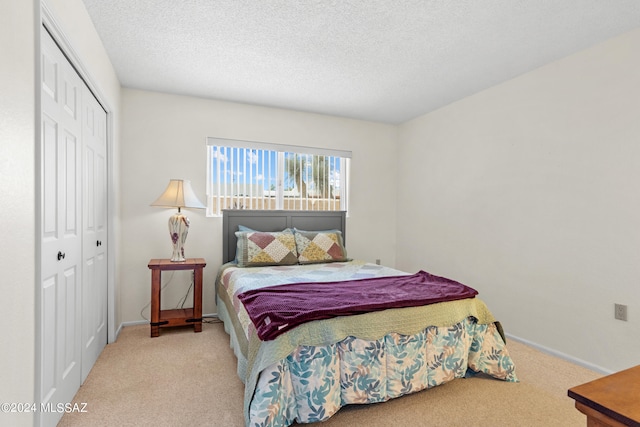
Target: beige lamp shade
[[178, 195]]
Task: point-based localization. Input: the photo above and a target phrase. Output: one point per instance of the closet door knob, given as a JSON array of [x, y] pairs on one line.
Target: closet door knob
[[60, 255], [98, 243]]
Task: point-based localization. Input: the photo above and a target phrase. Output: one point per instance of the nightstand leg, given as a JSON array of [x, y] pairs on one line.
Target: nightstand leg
[[197, 299], [155, 302]]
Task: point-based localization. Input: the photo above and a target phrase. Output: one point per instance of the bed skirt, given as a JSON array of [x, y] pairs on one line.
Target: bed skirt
[[314, 382]]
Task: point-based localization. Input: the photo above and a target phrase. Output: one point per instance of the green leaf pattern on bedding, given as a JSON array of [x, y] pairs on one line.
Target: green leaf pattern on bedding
[[312, 383]]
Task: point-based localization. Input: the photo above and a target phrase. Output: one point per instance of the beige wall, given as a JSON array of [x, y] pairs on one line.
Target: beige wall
[[528, 192], [17, 170], [164, 137]]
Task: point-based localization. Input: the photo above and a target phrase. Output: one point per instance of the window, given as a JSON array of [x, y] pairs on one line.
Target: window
[[258, 175]]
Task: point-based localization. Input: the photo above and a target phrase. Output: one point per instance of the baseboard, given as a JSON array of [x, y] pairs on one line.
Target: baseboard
[[135, 323], [561, 355], [210, 316], [118, 331], [146, 322]]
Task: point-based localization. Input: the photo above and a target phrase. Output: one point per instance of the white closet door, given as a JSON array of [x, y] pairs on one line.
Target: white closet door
[[94, 230], [61, 242]]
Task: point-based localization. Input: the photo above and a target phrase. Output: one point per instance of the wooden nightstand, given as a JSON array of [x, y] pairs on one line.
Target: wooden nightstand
[[177, 317], [613, 400]]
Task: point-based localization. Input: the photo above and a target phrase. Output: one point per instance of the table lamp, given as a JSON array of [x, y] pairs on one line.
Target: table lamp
[[178, 195]]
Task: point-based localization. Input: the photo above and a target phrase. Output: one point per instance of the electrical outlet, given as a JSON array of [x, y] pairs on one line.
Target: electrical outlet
[[620, 312]]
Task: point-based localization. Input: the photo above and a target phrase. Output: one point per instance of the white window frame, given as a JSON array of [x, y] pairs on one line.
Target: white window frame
[[214, 189]]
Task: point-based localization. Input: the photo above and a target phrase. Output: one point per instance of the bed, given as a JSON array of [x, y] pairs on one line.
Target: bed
[[305, 372]]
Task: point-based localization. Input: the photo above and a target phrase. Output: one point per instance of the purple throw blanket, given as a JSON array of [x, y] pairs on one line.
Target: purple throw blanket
[[277, 309]]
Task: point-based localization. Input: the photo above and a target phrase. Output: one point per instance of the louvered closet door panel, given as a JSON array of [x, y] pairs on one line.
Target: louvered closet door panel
[[61, 242]]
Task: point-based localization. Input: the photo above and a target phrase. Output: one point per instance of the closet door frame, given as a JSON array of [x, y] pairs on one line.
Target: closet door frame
[[47, 22]]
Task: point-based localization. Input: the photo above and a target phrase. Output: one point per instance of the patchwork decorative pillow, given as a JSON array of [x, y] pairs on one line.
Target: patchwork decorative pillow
[[242, 228], [320, 246], [256, 248]]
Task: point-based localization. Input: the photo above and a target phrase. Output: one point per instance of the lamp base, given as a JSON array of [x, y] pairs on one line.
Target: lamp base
[[178, 230]]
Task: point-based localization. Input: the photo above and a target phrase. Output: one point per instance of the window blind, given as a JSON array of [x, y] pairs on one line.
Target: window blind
[[258, 175]]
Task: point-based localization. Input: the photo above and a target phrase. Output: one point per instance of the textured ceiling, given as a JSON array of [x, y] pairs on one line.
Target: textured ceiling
[[380, 60]]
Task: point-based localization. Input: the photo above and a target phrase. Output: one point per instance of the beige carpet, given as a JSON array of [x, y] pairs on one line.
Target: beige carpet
[[186, 379]]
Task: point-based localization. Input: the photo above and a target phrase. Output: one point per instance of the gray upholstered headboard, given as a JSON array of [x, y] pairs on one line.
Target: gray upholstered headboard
[[275, 221]]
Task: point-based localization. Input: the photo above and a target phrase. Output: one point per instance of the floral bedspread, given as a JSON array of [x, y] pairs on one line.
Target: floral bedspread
[[308, 373]]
